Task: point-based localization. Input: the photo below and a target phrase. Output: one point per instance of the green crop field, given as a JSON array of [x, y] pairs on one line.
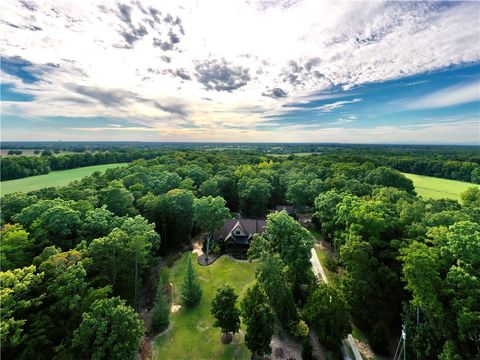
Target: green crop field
[[54, 178], [191, 334], [437, 188]]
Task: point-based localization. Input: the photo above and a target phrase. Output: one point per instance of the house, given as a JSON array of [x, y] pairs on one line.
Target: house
[[288, 208], [236, 234]]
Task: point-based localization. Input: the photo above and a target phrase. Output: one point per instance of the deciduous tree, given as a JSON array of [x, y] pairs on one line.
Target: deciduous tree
[[225, 311], [258, 318]]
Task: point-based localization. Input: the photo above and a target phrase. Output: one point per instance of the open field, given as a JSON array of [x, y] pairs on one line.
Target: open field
[[437, 188], [191, 334], [54, 178]]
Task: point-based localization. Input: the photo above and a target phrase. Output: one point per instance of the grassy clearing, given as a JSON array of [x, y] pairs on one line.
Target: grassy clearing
[[192, 335], [54, 178], [437, 188]]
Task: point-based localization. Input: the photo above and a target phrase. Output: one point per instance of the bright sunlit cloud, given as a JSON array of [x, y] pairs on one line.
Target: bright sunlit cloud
[[230, 70]]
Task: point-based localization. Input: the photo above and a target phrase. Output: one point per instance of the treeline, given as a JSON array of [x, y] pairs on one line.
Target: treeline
[[24, 166], [408, 261], [74, 258], [450, 162]]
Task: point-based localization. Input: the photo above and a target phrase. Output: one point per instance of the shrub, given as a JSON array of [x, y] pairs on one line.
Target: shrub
[[331, 263], [299, 329]]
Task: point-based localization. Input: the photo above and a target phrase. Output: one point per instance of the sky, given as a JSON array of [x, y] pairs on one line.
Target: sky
[[241, 71]]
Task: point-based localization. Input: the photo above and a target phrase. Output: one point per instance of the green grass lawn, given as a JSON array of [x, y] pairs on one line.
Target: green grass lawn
[[192, 335], [54, 178], [437, 188]]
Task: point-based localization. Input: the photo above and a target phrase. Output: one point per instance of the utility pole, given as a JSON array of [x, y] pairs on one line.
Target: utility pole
[[402, 345]]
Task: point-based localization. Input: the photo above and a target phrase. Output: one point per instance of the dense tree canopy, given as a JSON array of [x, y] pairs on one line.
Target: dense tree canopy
[[402, 259]]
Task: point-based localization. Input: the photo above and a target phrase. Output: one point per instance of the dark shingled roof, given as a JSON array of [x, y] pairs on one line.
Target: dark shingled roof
[[250, 226]]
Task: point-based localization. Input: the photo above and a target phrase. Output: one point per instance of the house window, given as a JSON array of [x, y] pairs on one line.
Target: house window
[[237, 232]]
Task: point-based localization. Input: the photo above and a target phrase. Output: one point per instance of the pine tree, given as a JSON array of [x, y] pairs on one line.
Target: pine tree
[[225, 311], [161, 310], [191, 292]]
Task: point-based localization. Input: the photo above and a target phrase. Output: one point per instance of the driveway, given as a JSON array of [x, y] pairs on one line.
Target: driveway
[[349, 342]]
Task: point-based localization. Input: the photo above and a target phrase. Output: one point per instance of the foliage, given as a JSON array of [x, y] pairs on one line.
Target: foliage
[[209, 213], [18, 297], [109, 330], [16, 247], [121, 257], [161, 309], [293, 243], [393, 247], [258, 318], [299, 329], [271, 275], [326, 312], [117, 199], [254, 195], [191, 290], [225, 311]]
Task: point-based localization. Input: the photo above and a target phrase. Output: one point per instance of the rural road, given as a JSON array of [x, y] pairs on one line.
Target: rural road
[[349, 342]]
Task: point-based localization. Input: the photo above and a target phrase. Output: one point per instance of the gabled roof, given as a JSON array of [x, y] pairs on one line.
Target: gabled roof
[[249, 226]]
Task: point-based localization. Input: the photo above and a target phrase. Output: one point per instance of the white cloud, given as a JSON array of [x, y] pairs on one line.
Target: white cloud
[[336, 105], [301, 47], [450, 96]]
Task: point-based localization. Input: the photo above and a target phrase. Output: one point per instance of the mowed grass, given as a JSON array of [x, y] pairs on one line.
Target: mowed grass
[[191, 334], [437, 188], [54, 178]]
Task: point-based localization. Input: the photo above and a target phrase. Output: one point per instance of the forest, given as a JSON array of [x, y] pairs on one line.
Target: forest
[[77, 259], [449, 162]]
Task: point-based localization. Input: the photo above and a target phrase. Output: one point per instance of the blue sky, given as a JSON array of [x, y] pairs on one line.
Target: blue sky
[[285, 71]]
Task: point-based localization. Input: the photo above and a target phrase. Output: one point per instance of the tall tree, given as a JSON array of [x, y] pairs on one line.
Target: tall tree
[[16, 247], [209, 215], [254, 195], [191, 291], [225, 311], [293, 242], [117, 199], [258, 318], [161, 309], [272, 276], [19, 297], [326, 312], [109, 330]]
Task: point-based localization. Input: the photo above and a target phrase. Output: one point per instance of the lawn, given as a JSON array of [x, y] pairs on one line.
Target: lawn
[[437, 188], [192, 335], [54, 178]]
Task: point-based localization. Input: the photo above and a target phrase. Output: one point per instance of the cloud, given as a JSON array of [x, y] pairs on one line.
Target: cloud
[[336, 105], [108, 98], [177, 109], [275, 93], [220, 75], [450, 96], [219, 64]]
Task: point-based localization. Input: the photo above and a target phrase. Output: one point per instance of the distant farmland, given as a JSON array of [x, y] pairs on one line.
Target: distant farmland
[[54, 178], [437, 188]]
